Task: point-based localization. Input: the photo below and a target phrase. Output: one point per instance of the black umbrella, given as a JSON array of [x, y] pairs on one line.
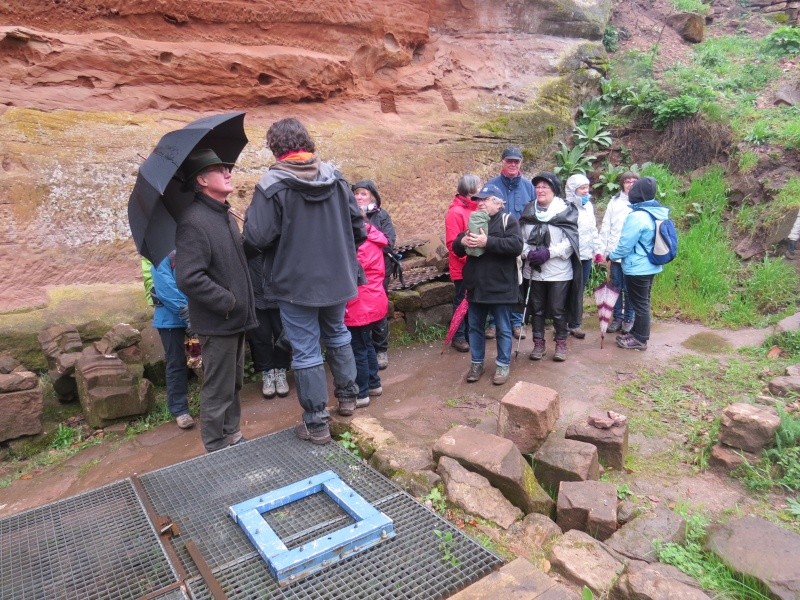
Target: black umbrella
[[158, 196]]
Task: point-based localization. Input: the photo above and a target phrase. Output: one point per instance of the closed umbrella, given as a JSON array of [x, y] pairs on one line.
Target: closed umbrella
[[458, 315], [159, 195], [605, 296]]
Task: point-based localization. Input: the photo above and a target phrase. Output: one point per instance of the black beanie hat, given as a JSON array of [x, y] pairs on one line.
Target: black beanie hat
[[643, 190], [368, 184], [550, 179]]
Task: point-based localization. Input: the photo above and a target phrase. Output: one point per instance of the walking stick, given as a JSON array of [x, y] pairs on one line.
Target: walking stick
[[524, 312]]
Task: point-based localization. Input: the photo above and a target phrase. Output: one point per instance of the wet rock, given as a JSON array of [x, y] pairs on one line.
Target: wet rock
[[65, 363], [643, 581], [370, 435], [18, 381], [729, 458], [474, 494], [565, 460], [427, 317], [406, 300], [500, 461], [132, 357], [22, 413], [589, 506], [785, 385], [636, 539], [519, 580], [690, 26], [118, 337], [627, 511], [583, 560], [749, 427], [57, 339], [8, 363], [435, 293], [410, 467], [741, 544], [611, 443], [528, 413], [534, 530]]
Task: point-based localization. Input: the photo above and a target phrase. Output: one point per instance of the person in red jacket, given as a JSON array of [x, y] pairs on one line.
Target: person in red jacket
[[455, 222], [363, 311]]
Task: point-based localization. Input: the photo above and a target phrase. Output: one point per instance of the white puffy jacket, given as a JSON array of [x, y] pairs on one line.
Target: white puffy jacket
[[613, 220]]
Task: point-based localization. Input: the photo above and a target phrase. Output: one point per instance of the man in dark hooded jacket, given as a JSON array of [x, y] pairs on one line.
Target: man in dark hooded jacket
[[305, 214]]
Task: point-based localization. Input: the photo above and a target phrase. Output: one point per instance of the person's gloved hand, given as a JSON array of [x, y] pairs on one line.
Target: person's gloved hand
[[598, 258], [538, 257]]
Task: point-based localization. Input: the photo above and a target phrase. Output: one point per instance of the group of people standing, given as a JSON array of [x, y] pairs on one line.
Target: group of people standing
[[306, 274], [517, 249]]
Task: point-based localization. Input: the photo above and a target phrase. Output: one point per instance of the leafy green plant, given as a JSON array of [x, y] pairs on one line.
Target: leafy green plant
[[348, 442], [758, 134], [586, 593], [611, 38], [571, 161], [793, 507], [593, 110], [592, 135], [436, 500], [65, 436], [624, 491], [784, 41], [674, 108], [447, 546], [423, 334], [747, 161]]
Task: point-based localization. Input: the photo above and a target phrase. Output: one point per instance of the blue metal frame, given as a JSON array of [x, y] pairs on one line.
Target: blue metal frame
[[371, 527]]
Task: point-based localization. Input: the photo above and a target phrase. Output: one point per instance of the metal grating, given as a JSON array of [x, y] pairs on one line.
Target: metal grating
[[197, 493], [306, 519], [96, 545]]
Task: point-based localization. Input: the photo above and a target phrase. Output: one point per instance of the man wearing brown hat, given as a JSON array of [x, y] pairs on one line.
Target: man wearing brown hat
[[517, 192], [211, 270]]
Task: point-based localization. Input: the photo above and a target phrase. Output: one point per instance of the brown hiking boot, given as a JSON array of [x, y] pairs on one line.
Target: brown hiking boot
[[560, 354], [475, 372], [319, 436], [347, 406], [538, 349]]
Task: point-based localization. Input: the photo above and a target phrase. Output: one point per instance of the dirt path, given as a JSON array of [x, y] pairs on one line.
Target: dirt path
[[424, 395]]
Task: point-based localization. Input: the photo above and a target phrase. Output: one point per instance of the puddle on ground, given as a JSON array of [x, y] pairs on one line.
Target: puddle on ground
[[707, 343]]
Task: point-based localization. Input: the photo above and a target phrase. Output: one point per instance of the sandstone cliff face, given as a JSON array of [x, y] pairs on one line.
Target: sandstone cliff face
[[411, 93]]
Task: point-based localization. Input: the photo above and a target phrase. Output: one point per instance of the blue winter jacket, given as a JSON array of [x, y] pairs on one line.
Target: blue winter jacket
[[166, 314], [517, 192], [638, 235]]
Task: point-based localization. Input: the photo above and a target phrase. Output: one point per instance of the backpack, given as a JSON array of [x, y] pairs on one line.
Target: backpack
[[665, 242]]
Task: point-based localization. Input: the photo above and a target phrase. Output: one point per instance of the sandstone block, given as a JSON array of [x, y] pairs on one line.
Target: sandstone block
[[500, 461], [565, 460], [655, 582], [793, 370], [611, 443], [636, 539], [406, 300], [474, 494], [534, 530], [18, 381], [22, 413], [785, 385], [122, 335], [519, 580], [370, 435], [132, 357], [741, 544], [7, 363], [57, 339], [583, 560], [729, 458], [749, 427], [108, 391], [65, 363], [589, 506], [528, 412], [690, 26], [426, 317], [436, 292]]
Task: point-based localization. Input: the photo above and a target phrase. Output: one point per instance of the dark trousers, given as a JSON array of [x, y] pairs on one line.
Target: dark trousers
[[623, 311], [586, 272], [177, 372], [379, 331], [223, 375], [366, 361], [549, 298], [462, 332], [639, 287], [266, 355]]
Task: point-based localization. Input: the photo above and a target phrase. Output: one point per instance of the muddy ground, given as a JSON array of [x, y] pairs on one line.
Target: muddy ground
[[424, 395]]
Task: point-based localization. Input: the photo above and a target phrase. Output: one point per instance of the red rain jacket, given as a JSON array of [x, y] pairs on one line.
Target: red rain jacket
[[371, 303]]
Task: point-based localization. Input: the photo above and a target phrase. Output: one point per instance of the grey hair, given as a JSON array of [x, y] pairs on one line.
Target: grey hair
[[469, 185]]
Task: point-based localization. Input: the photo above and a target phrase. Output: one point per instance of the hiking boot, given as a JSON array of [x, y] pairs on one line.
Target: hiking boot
[[475, 372], [320, 436], [623, 336], [500, 375], [281, 385], [185, 421], [560, 355], [383, 360], [627, 326], [268, 384], [614, 326], [518, 333], [362, 402], [631, 343], [538, 349], [232, 439], [460, 345], [791, 249], [577, 332], [376, 391], [347, 406], [490, 333]]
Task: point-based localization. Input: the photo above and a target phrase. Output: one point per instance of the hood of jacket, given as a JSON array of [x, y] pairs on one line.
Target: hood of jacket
[[654, 207], [643, 190], [368, 184], [464, 202], [314, 178]]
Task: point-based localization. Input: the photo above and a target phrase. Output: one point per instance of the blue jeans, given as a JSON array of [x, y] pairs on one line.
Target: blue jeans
[[516, 320], [623, 310], [477, 339], [176, 370], [366, 361], [307, 327]]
